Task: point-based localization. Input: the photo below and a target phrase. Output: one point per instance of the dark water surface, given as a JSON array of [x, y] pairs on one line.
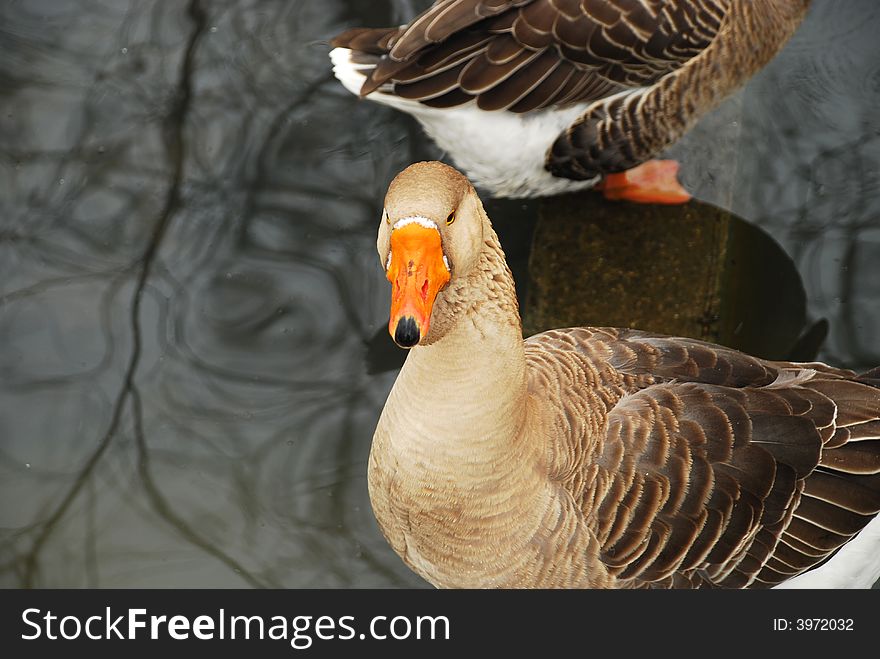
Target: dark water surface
[[191, 307]]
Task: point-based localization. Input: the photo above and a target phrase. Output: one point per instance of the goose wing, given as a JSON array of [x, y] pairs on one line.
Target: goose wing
[[716, 469], [523, 55]]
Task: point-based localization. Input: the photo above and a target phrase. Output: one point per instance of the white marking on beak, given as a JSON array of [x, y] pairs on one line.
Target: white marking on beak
[[415, 219], [388, 262], [446, 263]]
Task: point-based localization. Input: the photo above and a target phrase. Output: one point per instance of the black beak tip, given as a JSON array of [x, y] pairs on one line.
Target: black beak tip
[[406, 335]]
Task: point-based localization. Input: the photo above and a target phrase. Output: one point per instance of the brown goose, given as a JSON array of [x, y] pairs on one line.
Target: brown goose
[[538, 97], [598, 457]]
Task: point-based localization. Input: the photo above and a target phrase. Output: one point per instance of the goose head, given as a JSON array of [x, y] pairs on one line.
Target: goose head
[[430, 238]]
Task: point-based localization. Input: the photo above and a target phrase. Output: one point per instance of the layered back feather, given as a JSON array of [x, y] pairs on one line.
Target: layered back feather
[[716, 469], [531, 54]]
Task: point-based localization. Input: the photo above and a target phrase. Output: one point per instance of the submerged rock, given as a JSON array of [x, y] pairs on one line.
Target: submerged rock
[[691, 270]]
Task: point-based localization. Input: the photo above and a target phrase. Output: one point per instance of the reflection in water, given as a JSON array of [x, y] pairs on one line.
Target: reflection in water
[[189, 289], [184, 305]]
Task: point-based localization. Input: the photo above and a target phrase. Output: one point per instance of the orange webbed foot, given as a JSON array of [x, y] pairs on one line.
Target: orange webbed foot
[[652, 182]]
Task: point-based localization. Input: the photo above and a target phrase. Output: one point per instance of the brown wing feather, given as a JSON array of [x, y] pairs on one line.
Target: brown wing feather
[[723, 43], [716, 469], [612, 44]]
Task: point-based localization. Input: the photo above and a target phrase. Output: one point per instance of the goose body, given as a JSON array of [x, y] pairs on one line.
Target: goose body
[[536, 97], [601, 457]]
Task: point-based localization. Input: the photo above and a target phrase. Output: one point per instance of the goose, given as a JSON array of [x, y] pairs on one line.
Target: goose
[[600, 457], [540, 97]]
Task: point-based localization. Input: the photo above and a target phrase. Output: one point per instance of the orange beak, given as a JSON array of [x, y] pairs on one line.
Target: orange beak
[[417, 273]]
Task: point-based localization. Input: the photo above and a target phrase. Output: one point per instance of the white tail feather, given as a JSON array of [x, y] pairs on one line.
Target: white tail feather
[[347, 72]]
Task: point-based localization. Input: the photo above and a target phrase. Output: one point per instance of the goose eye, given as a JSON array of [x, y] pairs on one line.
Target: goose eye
[[450, 218], [385, 216]]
